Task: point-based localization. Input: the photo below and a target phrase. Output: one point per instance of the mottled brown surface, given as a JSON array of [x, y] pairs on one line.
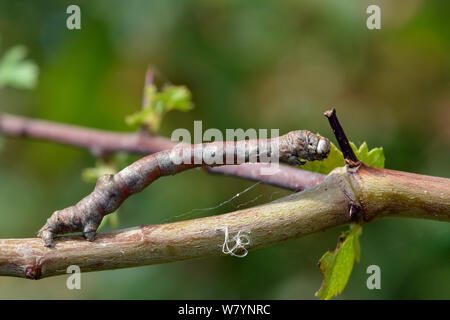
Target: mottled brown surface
[[111, 190]]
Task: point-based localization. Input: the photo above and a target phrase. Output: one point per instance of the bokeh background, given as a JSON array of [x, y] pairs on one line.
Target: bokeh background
[[249, 64]]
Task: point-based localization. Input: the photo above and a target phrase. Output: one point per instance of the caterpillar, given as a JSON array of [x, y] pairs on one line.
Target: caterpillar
[[113, 189]]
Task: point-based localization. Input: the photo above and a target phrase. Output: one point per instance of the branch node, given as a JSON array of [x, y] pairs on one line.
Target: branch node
[[354, 210]]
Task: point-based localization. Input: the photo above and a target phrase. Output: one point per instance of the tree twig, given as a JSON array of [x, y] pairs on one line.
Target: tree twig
[[100, 142], [111, 190], [349, 156], [290, 178]]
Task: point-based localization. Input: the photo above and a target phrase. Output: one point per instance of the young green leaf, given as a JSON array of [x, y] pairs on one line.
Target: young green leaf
[[17, 72], [337, 266], [335, 159], [158, 103], [374, 157]]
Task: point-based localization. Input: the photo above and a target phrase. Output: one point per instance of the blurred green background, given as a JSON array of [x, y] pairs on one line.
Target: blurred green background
[[249, 64]]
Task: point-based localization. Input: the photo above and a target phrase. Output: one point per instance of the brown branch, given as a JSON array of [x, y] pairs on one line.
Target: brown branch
[[381, 193], [100, 142], [390, 193], [349, 156], [291, 178], [111, 190]]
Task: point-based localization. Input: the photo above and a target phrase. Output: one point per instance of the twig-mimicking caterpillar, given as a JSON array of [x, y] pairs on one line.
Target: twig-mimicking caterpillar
[[111, 190]]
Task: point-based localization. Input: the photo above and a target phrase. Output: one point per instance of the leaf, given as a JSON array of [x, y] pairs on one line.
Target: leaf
[[17, 72], [158, 103], [337, 265], [176, 98], [374, 157], [335, 159]]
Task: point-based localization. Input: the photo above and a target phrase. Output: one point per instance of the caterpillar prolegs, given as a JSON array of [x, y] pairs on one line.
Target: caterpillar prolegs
[[111, 190]]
